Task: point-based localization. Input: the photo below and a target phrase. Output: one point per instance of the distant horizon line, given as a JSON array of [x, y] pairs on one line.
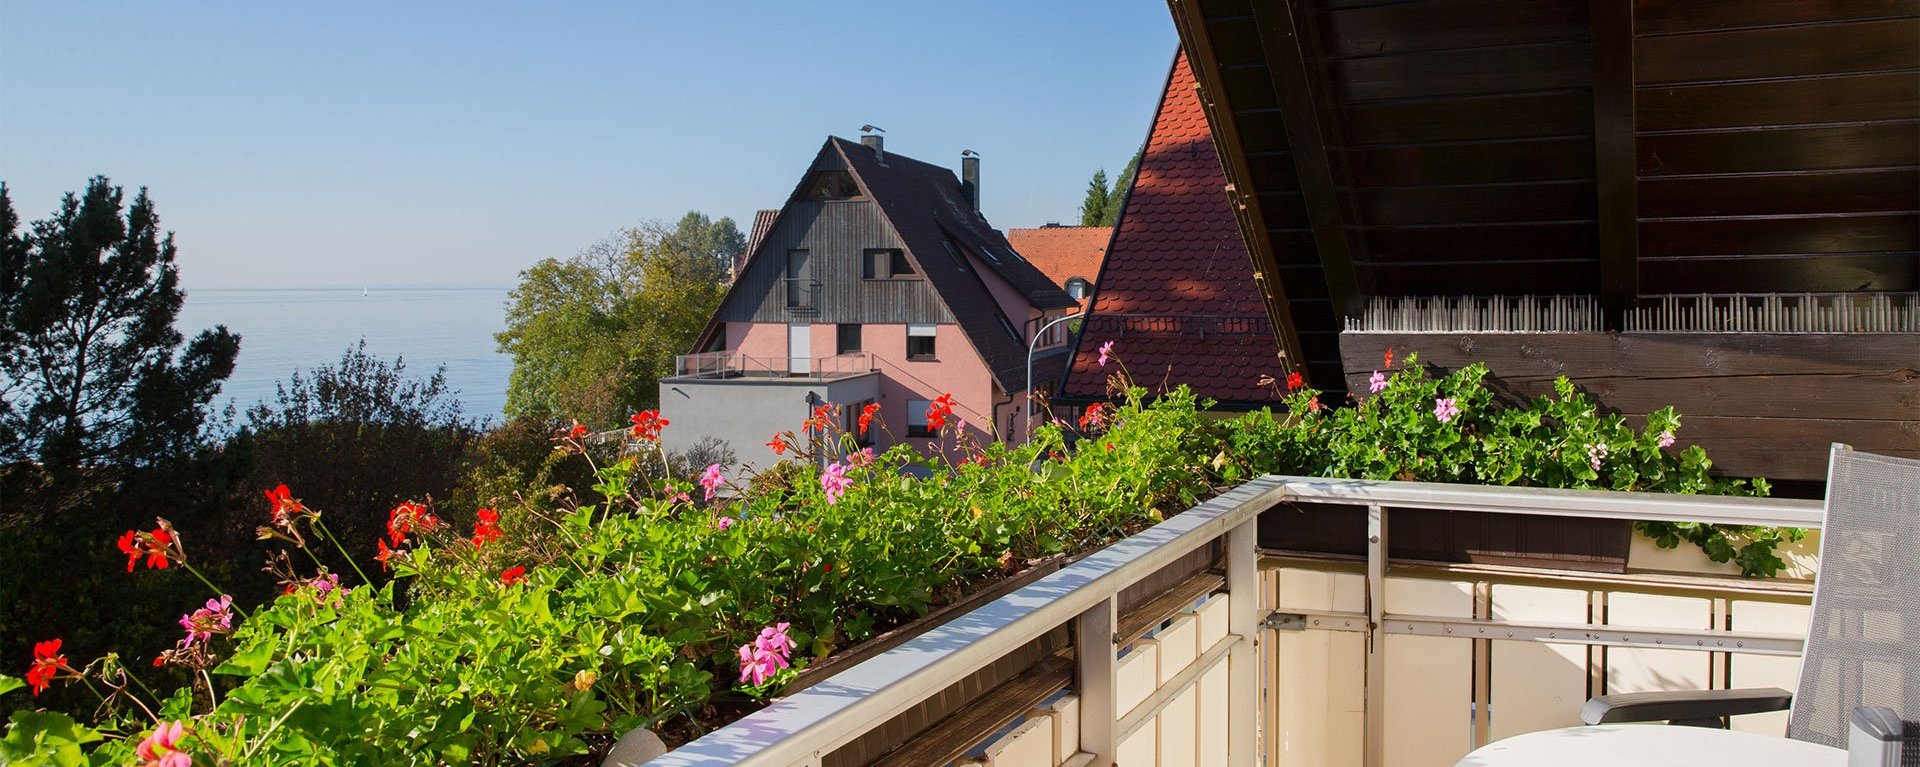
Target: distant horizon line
[[190, 288]]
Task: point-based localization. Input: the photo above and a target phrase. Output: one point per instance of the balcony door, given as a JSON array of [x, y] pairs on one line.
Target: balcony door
[[799, 349]]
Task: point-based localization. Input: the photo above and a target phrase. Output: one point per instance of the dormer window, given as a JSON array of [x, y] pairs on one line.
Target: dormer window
[[1078, 288], [832, 185]]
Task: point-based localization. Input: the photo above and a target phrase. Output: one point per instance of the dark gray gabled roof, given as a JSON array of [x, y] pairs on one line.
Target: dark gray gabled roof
[[930, 211]]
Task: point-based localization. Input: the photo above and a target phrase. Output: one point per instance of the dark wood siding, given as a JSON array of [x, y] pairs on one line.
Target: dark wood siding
[[1777, 145], [834, 233]]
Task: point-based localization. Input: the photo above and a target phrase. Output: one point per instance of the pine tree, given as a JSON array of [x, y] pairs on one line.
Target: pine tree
[[1093, 209], [1117, 199], [93, 370]]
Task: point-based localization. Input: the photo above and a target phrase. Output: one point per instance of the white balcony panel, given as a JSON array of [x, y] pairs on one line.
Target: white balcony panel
[[1747, 670], [1318, 677], [1637, 670], [1429, 679], [1536, 686], [1030, 744], [1063, 713]]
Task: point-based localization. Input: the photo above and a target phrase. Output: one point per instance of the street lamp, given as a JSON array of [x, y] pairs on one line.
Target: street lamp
[[1027, 427]]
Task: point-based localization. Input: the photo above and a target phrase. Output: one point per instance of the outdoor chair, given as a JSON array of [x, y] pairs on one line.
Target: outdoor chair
[[1859, 686]]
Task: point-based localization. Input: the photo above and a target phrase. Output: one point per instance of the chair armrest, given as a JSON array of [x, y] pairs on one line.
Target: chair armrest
[[1684, 705], [1874, 737]]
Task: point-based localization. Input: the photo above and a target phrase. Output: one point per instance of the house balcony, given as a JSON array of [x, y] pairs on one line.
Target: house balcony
[[733, 366], [1194, 643]]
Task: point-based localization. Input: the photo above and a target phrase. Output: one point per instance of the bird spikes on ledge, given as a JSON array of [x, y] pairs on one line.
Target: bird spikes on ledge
[[1702, 313]]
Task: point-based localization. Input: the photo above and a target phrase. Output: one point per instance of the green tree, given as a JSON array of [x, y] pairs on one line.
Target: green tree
[[355, 438], [1093, 208], [1117, 198], [91, 368], [592, 335]]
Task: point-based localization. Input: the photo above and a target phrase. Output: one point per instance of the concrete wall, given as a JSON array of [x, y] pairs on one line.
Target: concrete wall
[[746, 413]]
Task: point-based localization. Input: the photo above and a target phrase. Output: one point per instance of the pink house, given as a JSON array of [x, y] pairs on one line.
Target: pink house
[[879, 281]]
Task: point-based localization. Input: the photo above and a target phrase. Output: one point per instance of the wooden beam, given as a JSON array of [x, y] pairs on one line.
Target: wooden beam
[[1191, 24], [1616, 169], [1294, 63]]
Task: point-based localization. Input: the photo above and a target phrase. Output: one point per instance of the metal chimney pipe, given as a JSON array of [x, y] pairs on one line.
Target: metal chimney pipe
[[877, 142], [970, 177]]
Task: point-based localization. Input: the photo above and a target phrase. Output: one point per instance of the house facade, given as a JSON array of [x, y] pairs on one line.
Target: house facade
[[878, 282]]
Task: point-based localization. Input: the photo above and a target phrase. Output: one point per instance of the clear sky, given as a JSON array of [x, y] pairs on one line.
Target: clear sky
[[453, 144]]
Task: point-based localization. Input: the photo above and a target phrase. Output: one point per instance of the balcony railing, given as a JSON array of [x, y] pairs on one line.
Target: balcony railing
[[728, 365], [1161, 669]]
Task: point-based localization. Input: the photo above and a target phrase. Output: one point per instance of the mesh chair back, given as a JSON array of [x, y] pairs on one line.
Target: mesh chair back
[[1863, 645]]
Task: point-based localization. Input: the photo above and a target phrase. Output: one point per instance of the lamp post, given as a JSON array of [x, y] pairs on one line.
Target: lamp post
[[1027, 425]]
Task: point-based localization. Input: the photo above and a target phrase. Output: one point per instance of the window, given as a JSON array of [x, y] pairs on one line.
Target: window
[[917, 418], [1078, 288], [846, 339], [799, 280], [885, 264], [832, 185], [920, 342]]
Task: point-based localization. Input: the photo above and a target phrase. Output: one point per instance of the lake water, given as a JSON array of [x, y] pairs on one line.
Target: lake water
[[284, 330]]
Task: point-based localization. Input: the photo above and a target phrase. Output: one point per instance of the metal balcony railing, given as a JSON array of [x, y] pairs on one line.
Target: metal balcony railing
[[726, 365], [812, 726]]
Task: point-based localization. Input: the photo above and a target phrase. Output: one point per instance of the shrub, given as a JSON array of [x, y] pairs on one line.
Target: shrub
[[553, 625]]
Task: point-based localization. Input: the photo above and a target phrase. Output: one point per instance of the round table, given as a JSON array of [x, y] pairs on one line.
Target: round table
[[1650, 745]]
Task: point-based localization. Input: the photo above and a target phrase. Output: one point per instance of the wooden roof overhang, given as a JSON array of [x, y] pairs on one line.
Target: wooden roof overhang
[[1618, 151]]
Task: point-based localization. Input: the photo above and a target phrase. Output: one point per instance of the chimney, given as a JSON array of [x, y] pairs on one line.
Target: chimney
[[970, 177], [876, 141]]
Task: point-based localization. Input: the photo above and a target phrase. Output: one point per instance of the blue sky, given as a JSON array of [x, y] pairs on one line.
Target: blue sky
[[453, 144]]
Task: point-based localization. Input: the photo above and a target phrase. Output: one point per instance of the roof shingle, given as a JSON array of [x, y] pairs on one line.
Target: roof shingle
[[1063, 252], [1176, 294]]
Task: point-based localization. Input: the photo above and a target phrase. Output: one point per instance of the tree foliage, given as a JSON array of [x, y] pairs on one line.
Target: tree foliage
[[359, 436], [1093, 208], [92, 371], [1103, 203], [592, 335]]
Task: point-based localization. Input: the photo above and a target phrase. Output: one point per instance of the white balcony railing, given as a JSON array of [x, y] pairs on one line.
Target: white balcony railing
[[1191, 681]]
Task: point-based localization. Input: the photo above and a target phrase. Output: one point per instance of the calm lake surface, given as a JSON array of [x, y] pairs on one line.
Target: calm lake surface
[[284, 330]]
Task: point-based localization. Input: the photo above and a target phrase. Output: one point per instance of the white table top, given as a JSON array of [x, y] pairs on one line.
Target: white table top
[[1651, 745]]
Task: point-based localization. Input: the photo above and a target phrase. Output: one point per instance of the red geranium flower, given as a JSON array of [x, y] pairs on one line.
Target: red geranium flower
[[407, 519], [866, 417], [822, 416], [578, 432], [383, 554], [1095, 416], [487, 530], [285, 506], [1388, 360], [647, 425], [153, 545], [513, 575], [47, 661], [778, 444], [939, 411], [1295, 381]]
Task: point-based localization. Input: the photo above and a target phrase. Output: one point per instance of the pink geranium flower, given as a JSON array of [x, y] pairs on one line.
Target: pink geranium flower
[[1596, 453], [1445, 409], [1106, 352], [1666, 438], [215, 618], [835, 482], [1378, 383], [712, 479], [766, 654], [161, 748], [862, 457], [723, 523]]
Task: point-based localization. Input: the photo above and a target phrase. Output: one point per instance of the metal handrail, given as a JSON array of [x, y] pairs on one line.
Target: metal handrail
[[800, 729]]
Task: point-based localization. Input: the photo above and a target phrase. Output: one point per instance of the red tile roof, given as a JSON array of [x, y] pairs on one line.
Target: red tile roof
[[1176, 294], [1063, 252]]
